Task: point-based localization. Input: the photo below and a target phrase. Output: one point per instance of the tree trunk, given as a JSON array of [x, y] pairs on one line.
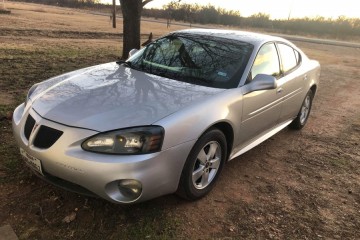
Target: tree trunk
[[131, 10]]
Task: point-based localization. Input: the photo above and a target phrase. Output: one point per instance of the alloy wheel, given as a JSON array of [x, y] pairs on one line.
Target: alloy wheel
[[206, 165]]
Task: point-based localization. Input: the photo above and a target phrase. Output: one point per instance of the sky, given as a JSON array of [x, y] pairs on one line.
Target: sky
[[279, 9]]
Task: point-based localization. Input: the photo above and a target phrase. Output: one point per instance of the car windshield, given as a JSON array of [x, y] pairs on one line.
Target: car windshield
[[202, 60]]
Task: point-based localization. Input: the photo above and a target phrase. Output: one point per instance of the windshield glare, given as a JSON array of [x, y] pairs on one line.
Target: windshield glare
[[203, 60]]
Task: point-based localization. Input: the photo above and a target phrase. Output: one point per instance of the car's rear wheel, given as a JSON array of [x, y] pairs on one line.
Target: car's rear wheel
[[303, 115], [203, 165]]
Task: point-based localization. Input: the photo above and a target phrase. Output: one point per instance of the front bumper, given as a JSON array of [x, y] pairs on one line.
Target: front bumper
[[67, 165]]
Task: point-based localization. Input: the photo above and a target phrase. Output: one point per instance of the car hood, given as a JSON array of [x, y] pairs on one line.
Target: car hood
[[109, 96]]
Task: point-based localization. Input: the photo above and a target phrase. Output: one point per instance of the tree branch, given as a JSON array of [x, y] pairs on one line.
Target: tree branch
[[146, 2]]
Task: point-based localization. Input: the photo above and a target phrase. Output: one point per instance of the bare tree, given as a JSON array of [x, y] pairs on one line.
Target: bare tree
[[131, 10]]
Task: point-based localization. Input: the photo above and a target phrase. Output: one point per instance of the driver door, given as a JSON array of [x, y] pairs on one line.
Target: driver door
[[261, 109]]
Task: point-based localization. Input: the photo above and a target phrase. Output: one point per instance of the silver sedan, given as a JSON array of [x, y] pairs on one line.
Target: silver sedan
[[167, 119]]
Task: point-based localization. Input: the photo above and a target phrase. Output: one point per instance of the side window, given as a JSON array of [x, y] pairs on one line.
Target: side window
[[297, 55], [289, 57], [266, 62]]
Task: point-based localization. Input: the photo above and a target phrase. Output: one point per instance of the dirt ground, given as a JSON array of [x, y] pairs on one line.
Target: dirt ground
[[296, 185]]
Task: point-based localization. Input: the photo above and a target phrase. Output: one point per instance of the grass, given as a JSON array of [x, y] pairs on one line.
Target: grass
[[4, 11], [340, 162], [9, 152], [69, 19], [31, 63]]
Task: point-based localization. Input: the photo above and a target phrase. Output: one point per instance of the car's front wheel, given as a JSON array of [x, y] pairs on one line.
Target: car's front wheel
[[203, 165], [303, 115]]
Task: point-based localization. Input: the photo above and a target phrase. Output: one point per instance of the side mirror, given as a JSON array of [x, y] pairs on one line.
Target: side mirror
[[133, 51], [261, 82]]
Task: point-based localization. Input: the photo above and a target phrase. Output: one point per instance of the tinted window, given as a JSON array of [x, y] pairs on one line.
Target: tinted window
[[288, 57], [203, 60], [266, 62]]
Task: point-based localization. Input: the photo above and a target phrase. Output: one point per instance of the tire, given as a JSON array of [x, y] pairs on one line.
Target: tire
[[202, 167], [303, 115]]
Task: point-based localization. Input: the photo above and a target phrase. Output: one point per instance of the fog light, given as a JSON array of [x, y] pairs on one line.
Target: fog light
[[130, 188]]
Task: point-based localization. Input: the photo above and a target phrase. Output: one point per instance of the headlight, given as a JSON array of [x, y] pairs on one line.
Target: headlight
[[30, 92], [139, 140]]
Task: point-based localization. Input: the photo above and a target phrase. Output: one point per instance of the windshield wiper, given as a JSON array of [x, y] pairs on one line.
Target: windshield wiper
[[124, 63], [196, 80]]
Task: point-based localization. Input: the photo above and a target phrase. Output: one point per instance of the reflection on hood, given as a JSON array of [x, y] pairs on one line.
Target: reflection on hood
[[110, 96]]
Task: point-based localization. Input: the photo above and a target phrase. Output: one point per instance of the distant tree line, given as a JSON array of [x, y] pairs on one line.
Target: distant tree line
[[195, 13], [341, 27]]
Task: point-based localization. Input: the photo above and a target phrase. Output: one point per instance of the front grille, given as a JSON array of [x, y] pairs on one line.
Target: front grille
[[46, 137], [29, 125]]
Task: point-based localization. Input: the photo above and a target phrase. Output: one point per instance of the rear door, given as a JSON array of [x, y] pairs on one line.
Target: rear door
[[291, 85]]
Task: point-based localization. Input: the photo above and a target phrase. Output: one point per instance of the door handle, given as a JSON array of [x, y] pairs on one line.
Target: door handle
[[305, 77], [279, 90]]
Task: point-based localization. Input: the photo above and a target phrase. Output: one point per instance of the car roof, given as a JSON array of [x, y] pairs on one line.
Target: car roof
[[255, 39]]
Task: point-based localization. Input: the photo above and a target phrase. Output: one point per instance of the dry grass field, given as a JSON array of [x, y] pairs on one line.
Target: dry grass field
[[296, 185]]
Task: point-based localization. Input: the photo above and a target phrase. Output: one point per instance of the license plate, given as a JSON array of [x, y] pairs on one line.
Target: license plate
[[31, 161]]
